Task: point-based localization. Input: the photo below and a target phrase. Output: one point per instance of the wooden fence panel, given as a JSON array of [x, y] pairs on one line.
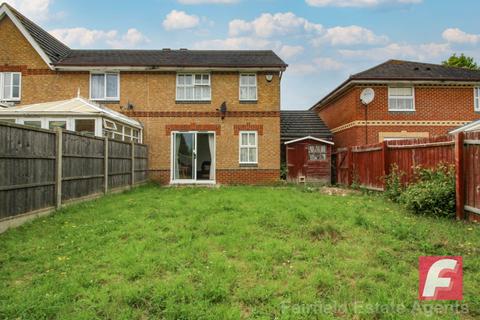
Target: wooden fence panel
[[28, 179], [141, 163], [368, 166], [119, 163], [27, 170], [342, 163], [82, 165], [472, 171]]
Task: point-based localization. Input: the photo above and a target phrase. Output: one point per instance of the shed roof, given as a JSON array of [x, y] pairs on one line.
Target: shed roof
[[72, 107], [472, 126], [300, 123]]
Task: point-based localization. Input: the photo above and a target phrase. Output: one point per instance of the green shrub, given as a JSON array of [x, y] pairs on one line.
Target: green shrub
[[283, 171], [393, 184], [433, 193]]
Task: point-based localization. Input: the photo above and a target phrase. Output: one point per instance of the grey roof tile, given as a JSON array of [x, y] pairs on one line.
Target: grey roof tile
[[297, 124]]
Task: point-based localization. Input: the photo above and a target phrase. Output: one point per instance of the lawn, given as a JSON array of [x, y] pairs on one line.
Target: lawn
[[231, 252]]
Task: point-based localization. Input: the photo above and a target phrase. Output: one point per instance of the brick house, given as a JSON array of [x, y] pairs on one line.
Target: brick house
[[208, 116], [412, 100]]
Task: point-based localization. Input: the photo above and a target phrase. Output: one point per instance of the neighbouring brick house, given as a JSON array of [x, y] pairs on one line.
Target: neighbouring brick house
[[208, 116], [411, 100]]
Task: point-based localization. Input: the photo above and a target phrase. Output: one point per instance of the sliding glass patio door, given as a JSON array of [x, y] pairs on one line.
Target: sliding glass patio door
[[193, 157]]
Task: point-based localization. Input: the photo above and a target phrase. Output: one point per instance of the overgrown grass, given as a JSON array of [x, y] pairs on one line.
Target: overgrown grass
[[232, 252]]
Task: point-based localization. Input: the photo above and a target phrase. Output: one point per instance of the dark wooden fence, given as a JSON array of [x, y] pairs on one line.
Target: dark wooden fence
[[368, 165], [41, 169]]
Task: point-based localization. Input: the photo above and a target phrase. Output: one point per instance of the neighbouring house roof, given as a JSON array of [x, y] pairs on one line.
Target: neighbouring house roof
[[72, 107], [399, 70], [472, 126], [310, 138], [299, 124], [58, 55]]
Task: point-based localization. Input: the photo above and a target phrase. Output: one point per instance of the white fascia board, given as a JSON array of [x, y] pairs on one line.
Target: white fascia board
[[310, 138], [5, 11]]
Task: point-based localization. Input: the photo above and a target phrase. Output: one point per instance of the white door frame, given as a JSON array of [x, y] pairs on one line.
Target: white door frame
[[172, 159]]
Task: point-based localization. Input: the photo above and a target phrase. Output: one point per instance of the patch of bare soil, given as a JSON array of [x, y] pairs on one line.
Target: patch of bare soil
[[333, 191]]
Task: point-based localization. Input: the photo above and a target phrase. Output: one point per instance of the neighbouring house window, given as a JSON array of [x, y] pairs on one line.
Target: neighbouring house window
[[10, 84], [477, 99], [401, 99], [248, 147], [57, 124], [317, 152], [86, 126], [105, 86], [193, 87], [33, 123], [248, 87]]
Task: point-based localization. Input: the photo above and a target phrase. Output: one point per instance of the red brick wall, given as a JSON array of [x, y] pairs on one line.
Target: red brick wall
[[432, 103], [226, 176]]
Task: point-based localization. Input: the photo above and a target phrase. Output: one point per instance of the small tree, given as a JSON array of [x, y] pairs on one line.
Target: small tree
[[461, 61]]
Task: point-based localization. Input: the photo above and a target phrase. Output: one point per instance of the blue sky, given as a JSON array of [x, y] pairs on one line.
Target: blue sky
[[323, 41]]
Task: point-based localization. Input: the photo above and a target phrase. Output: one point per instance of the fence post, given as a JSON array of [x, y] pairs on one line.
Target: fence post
[[386, 168], [105, 165], [58, 167], [132, 174], [350, 166], [459, 176]]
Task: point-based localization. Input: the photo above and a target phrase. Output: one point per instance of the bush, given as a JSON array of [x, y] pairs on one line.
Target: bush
[[433, 193], [393, 184]]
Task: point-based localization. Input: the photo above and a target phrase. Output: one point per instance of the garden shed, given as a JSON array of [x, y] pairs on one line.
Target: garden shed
[[309, 160]]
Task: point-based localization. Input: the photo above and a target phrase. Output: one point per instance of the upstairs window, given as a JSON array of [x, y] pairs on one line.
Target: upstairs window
[[10, 84], [248, 87], [105, 86], [477, 99], [401, 99], [248, 147], [193, 87]]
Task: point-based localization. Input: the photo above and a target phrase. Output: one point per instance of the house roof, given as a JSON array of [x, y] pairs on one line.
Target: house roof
[[409, 70], [52, 47], [57, 55], [72, 107], [173, 58], [301, 123], [399, 70]]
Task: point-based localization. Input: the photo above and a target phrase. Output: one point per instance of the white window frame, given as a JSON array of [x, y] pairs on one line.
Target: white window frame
[[193, 85], [402, 110], [240, 146], [105, 98], [323, 152], [476, 99], [2, 84], [247, 86]]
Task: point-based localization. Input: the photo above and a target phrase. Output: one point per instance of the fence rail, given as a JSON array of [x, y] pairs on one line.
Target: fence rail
[[368, 165], [41, 169]]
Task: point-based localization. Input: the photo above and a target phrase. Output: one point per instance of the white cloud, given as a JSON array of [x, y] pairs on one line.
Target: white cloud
[[236, 43], [423, 52], [316, 65], [83, 37], [267, 25], [287, 52], [207, 1], [358, 3], [350, 35], [455, 35], [176, 20], [33, 9]]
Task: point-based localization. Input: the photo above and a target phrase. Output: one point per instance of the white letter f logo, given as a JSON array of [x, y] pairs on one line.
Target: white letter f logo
[[433, 280]]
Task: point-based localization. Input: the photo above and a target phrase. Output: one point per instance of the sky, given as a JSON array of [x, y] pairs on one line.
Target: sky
[[322, 41]]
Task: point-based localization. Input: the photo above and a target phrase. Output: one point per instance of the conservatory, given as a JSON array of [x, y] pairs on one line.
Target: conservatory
[[77, 114]]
